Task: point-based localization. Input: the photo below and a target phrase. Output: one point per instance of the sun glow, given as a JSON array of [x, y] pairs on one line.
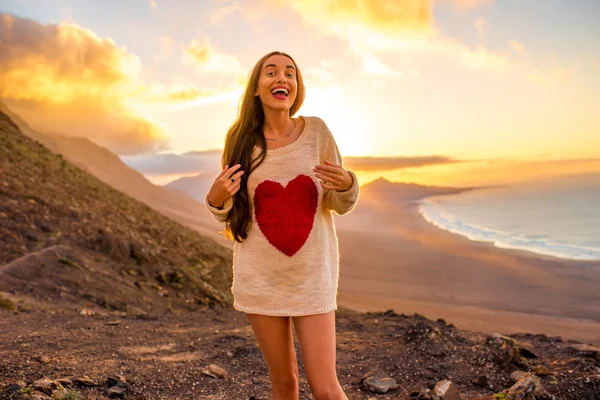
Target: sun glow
[[347, 126]]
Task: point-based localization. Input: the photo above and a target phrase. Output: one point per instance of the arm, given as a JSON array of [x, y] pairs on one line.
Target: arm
[[220, 214], [342, 202]]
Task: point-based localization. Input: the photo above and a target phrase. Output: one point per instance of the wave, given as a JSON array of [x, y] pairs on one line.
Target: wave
[[433, 214]]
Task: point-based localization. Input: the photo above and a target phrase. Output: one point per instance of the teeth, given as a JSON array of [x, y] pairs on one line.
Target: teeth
[[284, 91]]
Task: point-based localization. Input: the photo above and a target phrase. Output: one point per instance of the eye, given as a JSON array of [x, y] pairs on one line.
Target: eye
[[290, 75]]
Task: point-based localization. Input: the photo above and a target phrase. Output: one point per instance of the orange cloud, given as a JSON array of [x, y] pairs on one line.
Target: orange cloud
[[480, 25], [206, 58], [367, 164], [379, 26], [516, 46], [63, 78]]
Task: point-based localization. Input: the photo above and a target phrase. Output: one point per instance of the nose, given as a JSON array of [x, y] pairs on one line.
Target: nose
[[281, 77]]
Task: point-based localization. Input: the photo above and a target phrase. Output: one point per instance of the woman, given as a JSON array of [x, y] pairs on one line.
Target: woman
[[281, 180]]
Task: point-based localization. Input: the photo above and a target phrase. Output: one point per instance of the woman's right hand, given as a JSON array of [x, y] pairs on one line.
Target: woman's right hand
[[225, 186]]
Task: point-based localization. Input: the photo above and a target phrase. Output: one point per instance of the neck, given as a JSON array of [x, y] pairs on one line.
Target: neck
[[277, 123]]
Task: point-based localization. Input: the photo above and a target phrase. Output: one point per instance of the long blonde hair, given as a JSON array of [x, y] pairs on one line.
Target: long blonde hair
[[242, 136]]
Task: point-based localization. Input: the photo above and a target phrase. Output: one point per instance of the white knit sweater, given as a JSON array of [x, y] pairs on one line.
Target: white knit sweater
[[289, 264]]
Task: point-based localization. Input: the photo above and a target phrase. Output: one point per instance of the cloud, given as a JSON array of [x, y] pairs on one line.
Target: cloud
[[516, 46], [169, 164], [202, 55], [376, 28], [219, 14], [367, 164], [480, 25], [166, 44], [64, 78], [208, 161], [153, 4], [554, 75]]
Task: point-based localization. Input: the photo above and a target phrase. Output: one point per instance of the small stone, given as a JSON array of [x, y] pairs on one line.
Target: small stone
[[65, 381], [447, 390], [116, 391], [541, 370], [378, 382], [42, 359], [528, 388], [119, 381], [59, 393], [215, 371], [480, 380], [86, 381], [516, 376], [585, 350], [45, 385], [115, 322], [15, 387], [36, 395]]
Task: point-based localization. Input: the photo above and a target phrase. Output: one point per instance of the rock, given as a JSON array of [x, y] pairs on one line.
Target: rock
[[446, 390], [86, 381], [480, 380], [116, 391], [64, 381], [585, 350], [60, 393], [116, 381], [516, 376], [46, 386], [378, 382], [541, 370], [114, 322], [423, 394], [529, 387], [15, 387], [42, 359], [502, 349], [215, 371], [421, 330], [35, 395]]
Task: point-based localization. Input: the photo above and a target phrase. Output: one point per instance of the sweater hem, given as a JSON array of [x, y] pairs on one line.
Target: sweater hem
[[284, 313]]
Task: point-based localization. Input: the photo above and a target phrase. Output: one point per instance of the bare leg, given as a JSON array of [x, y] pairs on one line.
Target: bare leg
[[276, 343], [316, 334]]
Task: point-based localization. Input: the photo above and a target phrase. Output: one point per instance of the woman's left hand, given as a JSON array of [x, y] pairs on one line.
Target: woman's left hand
[[333, 176]]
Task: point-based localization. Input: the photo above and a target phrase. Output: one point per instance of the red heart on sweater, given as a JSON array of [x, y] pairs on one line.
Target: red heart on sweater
[[285, 215]]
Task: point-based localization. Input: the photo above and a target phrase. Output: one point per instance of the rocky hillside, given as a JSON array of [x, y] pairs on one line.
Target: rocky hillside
[[65, 236]]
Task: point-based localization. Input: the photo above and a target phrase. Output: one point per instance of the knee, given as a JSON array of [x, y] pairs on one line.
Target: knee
[[285, 385], [330, 392]]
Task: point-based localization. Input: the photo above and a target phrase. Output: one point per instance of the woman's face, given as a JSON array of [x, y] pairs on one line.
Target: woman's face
[[277, 84]]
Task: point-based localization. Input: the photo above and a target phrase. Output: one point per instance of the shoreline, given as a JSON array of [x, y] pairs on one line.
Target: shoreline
[[419, 203], [417, 267]]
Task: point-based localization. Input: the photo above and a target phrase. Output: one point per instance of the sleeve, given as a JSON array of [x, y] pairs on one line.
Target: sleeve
[[220, 214], [342, 202]]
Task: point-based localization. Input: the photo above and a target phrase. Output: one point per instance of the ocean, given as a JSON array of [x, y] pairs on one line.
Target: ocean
[[559, 217]]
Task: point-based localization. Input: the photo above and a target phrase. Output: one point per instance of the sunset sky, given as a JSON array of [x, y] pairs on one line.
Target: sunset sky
[[447, 92]]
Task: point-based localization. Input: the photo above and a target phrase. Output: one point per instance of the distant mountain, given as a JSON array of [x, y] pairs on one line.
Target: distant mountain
[[382, 190], [194, 186], [68, 237], [110, 169]]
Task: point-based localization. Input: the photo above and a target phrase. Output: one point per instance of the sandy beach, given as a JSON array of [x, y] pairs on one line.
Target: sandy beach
[[393, 258]]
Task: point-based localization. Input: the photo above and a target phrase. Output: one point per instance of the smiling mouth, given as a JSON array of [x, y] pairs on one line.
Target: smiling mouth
[[280, 93]]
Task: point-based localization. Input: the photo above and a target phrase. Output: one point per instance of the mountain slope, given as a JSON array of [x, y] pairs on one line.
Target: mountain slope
[[67, 236], [110, 169]]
